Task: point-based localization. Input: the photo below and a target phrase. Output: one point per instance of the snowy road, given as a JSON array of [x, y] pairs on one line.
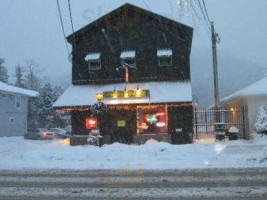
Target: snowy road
[[141, 184]]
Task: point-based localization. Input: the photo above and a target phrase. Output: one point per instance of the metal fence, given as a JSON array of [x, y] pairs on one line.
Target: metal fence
[[204, 121]]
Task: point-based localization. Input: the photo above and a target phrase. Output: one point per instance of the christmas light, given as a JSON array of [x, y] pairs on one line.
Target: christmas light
[[125, 107]]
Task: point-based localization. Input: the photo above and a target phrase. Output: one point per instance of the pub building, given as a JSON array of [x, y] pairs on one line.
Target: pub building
[[133, 66]]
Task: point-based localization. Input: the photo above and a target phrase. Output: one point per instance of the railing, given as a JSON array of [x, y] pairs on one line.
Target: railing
[[204, 120]]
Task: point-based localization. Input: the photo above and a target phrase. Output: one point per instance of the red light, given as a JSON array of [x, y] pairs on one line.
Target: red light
[[91, 123]]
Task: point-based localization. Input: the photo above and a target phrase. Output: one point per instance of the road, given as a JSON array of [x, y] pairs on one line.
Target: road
[[207, 184]]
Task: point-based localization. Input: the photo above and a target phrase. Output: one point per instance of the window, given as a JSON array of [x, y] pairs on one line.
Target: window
[[153, 121], [128, 58], [94, 61], [18, 102], [12, 120], [164, 57]]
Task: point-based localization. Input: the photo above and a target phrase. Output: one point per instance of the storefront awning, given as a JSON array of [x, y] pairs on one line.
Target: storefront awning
[[159, 92]]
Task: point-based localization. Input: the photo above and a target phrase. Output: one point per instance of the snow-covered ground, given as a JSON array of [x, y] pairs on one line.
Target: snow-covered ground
[[17, 153]]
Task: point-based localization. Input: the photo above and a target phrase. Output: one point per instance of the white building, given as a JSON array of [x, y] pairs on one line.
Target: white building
[[251, 97]]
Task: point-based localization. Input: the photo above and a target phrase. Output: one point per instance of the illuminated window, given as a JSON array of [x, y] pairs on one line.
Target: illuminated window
[[153, 121], [94, 61], [164, 58]]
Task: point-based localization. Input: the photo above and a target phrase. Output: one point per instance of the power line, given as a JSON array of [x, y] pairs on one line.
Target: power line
[[71, 21], [206, 11], [62, 26], [163, 25], [204, 15]]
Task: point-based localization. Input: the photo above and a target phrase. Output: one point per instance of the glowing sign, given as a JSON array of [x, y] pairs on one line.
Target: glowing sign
[[127, 94], [91, 123], [161, 124], [121, 123]]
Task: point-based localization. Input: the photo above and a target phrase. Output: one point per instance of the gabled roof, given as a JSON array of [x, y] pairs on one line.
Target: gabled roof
[[15, 90], [128, 6], [259, 88]]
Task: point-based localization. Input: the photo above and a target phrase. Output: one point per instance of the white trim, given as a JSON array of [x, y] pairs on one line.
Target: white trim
[[127, 54], [92, 56], [164, 52]]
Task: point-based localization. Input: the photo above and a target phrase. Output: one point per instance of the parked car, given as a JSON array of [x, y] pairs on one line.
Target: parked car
[[68, 130], [40, 133], [59, 132]]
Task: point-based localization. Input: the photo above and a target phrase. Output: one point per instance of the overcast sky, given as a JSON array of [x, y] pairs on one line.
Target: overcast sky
[[30, 29]]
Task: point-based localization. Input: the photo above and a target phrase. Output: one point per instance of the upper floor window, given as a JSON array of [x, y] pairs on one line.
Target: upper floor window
[[18, 102], [164, 57], [94, 62], [128, 58]]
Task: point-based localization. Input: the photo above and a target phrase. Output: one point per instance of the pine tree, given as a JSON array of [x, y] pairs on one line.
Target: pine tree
[[261, 120], [46, 112], [33, 117], [3, 71], [20, 82], [59, 120]]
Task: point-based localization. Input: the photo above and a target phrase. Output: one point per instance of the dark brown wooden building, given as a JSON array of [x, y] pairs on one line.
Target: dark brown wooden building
[[138, 64]]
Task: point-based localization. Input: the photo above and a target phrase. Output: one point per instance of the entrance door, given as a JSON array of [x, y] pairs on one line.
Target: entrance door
[[122, 126]]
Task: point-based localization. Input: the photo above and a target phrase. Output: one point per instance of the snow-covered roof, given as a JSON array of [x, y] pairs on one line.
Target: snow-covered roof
[[128, 54], [164, 52], [160, 92], [12, 89], [92, 56], [259, 88]]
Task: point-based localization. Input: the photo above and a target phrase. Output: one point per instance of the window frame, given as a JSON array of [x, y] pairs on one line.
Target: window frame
[[123, 59], [93, 59], [160, 63]]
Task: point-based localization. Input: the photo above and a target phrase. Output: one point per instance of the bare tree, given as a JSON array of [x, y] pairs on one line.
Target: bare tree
[[33, 80]]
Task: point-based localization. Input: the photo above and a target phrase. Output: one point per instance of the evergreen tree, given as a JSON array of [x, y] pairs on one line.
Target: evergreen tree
[[59, 120], [3, 71], [46, 112], [20, 82], [261, 120], [33, 117]]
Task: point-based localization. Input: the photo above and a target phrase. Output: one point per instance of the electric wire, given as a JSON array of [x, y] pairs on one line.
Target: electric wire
[[62, 26], [71, 20], [204, 15], [206, 11]]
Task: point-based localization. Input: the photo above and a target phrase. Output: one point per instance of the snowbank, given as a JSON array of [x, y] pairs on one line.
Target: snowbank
[[17, 153]]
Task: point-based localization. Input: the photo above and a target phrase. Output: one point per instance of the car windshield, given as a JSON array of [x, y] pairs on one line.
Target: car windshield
[[43, 130], [55, 129]]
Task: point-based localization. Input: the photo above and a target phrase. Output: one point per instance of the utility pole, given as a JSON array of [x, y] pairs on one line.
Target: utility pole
[[214, 38]]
